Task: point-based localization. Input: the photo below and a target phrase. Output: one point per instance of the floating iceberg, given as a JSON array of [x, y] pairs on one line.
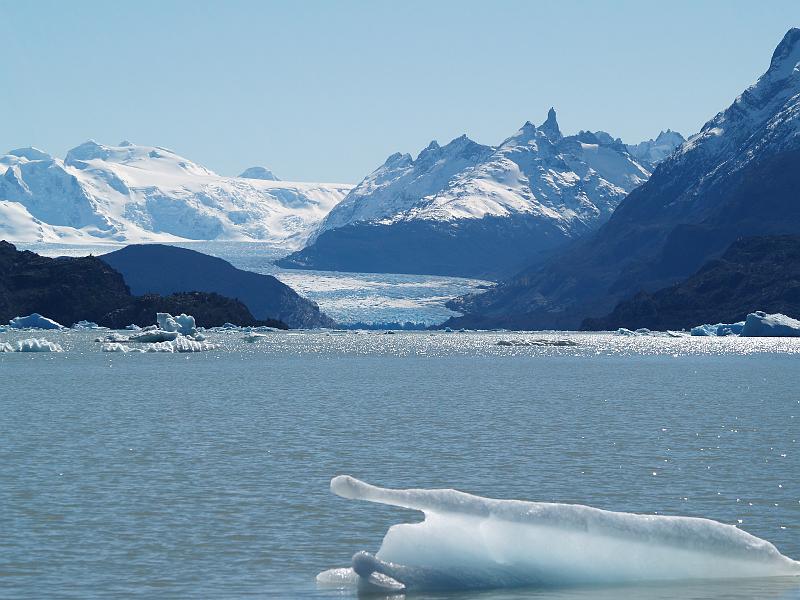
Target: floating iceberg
[[6, 347], [87, 325], [117, 347], [183, 323], [718, 330], [536, 342], [469, 542], [38, 345], [34, 321], [760, 324], [153, 336], [180, 344]]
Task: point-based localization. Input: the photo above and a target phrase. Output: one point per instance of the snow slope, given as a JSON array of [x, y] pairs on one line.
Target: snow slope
[[537, 171], [472, 210], [146, 193]]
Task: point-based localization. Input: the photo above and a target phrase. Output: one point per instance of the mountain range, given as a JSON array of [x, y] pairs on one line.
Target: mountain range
[[738, 177], [139, 193], [473, 210]]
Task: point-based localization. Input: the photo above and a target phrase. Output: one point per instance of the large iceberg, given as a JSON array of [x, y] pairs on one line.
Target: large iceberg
[[34, 321], [183, 323], [760, 324], [38, 345], [153, 336], [470, 542]]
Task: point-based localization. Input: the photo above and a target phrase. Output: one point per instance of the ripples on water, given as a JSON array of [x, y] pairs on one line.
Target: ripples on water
[[207, 474]]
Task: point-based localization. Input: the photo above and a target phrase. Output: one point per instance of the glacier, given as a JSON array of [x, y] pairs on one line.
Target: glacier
[[471, 542], [131, 192]]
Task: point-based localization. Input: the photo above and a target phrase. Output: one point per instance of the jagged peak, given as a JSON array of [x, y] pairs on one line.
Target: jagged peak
[[786, 57], [550, 126]]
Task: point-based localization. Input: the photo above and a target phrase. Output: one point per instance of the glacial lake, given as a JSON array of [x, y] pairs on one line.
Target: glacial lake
[[207, 475]]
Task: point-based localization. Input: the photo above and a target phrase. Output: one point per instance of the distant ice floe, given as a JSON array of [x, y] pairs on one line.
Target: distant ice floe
[[537, 342], [757, 324], [469, 542], [87, 325], [720, 329], [760, 324], [34, 321], [642, 332], [172, 334], [31, 345]]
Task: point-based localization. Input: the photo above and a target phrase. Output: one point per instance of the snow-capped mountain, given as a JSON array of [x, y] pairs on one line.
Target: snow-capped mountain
[[738, 177], [478, 210], [652, 152], [259, 173], [144, 193]]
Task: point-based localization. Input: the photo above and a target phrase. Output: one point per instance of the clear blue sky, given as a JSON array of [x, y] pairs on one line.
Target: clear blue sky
[[324, 91]]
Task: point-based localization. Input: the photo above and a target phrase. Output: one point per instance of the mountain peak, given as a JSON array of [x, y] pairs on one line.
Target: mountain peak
[[259, 173], [550, 126], [787, 55]]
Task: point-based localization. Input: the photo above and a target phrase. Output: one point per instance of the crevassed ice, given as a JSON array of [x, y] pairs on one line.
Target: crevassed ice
[[470, 542]]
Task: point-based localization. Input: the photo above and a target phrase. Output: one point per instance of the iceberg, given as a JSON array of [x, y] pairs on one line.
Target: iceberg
[[760, 324], [183, 323], [6, 347], [718, 330], [470, 542], [117, 347], [34, 321], [87, 325], [153, 336], [38, 345]]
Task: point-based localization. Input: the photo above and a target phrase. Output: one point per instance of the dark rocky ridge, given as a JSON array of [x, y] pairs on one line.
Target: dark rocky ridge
[[207, 308], [488, 248], [69, 290], [739, 177], [164, 270], [759, 273]]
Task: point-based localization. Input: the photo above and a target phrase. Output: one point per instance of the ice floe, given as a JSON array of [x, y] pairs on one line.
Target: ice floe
[[34, 321], [470, 542], [720, 329], [31, 345], [87, 325], [760, 324], [153, 336]]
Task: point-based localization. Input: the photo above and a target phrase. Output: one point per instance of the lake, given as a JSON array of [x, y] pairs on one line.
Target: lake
[[206, 475]]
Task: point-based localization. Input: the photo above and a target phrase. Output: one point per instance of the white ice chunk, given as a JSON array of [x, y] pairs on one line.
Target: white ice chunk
[[153, 336], [34, 321], [760, 324], [720, 329], [470, 542], [38, 345], [183, 323], [6, 347], [117, 347], [87, 325]]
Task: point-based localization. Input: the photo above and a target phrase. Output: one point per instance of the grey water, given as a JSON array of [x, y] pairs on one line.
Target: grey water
[[206, 475]]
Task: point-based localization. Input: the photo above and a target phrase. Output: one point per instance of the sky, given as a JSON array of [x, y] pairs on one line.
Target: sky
[[325, 91]]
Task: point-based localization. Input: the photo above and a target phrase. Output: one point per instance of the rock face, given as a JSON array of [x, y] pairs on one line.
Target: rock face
[[69, 290], [737, 178], [761, 272], [208, 309], [164, 270], [66, 290], [474, 210]]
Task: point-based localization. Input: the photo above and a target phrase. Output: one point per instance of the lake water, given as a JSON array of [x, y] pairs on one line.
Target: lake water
[[206, 475]]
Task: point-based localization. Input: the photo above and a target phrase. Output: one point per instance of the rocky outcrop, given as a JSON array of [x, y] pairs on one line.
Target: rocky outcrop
[[754, 273], [164, 270]]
